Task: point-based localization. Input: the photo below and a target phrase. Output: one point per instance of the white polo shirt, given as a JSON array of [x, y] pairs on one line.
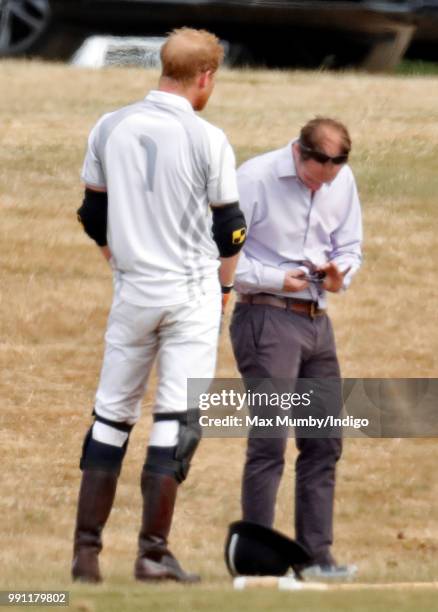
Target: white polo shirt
[[162, 165]]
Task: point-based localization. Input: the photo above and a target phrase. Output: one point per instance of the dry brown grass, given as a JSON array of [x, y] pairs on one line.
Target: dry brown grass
[[55, 293]]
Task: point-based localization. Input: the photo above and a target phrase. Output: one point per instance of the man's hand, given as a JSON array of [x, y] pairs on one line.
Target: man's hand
[[334, 278], [294, 281]]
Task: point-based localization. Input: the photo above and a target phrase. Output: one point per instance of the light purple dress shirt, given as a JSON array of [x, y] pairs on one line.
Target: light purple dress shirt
[[287, 226]]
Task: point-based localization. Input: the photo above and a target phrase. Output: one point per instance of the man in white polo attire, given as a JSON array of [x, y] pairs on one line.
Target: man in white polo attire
[[161, 201]]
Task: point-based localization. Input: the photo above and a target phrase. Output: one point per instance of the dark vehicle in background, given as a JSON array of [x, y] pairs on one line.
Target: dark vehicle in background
[[425, 41], [273, 33]]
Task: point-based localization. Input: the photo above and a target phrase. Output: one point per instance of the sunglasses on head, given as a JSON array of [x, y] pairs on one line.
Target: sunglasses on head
[[323, 158]]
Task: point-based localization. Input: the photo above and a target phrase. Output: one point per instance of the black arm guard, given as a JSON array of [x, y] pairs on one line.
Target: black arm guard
[[229, 229], [93, 215]]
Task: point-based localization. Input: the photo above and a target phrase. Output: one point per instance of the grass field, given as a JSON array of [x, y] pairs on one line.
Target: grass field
[[55, 294]]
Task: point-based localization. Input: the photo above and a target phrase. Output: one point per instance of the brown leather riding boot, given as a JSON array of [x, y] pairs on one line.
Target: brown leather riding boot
[[96, 498], [155, 561]]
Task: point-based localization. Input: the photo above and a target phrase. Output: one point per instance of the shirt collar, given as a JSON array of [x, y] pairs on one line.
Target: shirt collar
[[285, 162], [169, 99]]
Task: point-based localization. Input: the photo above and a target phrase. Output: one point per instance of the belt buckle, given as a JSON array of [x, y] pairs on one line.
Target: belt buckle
[[313, 309]]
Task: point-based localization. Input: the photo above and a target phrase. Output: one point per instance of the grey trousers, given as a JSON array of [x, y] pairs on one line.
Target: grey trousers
[[270, 342]]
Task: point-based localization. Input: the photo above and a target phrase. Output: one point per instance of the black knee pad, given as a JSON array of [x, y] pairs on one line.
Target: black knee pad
[[100, 456], [175, 460]]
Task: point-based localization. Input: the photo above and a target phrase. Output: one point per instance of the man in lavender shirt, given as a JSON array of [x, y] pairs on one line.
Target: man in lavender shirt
[[303, 239]]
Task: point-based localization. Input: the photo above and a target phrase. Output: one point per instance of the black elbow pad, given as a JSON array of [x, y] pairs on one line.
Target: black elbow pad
[[229, 229], [93, 215]]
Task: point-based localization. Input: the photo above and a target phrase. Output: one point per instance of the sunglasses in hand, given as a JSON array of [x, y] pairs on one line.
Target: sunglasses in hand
[[312, 273], [315, 277]]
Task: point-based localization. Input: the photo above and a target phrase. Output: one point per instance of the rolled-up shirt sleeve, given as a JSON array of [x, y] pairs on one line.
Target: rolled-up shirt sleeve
[[347, 238]]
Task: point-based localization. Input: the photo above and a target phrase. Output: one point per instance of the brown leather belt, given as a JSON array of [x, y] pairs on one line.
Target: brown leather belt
[[303, 306]]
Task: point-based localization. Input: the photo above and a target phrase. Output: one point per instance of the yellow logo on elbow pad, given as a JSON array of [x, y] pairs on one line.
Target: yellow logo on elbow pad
[[239, 236]]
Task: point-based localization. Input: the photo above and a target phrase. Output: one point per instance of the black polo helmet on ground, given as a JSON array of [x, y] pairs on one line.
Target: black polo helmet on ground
[[255, 550]]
